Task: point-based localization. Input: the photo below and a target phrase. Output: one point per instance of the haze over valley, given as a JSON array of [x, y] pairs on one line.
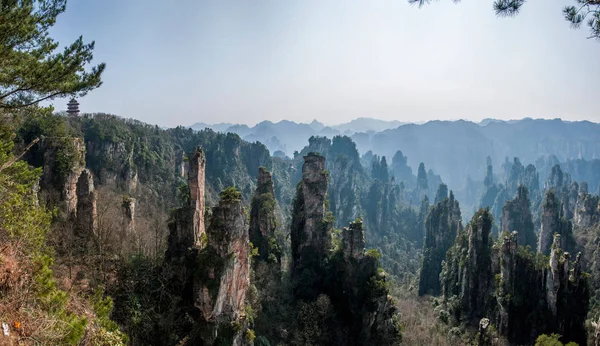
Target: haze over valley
[[295, 173]]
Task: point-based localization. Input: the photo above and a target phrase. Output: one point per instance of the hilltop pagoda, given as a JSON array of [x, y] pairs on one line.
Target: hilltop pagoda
[[73, 107]]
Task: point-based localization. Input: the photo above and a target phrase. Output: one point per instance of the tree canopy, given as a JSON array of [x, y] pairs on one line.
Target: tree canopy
[[583, 11], [31, 69]]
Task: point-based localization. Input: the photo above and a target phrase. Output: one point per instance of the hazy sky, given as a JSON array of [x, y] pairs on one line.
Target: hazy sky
[[185, 61]]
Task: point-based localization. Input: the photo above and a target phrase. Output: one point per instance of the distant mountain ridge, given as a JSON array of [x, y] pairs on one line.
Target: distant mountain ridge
[[288, 136], [457, 150]]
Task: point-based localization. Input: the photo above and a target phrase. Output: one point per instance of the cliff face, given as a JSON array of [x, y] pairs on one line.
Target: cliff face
[[441, 227], [587, 209], [567, 295], [196, 183], [467, 271], [360, 292], [212, 265], [311, 230], [551, 223], [86, 213], [344, 188], [187, 223], [65, 176], [113, 164], [224, 264], [263, 222], [353, 280], [353, 241], [516, 216]]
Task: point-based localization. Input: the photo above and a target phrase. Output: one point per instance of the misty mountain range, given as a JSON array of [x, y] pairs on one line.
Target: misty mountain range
[[456, 150]]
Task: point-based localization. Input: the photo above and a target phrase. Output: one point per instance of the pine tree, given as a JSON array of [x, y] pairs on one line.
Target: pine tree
[[583, 10], [31, 69]]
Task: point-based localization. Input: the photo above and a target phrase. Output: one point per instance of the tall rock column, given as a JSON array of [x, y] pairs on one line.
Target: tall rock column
[[263, 222], [311, 230], [516, 216], [478, 272], [441, 227], [550, 222], [186, 225], [86, 202], [508, 262], [353, 240], [196, 182], [225, 262]]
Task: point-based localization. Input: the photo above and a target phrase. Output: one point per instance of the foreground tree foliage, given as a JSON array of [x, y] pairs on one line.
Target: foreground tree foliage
[[30, 71], [583, 11], [30, 68]]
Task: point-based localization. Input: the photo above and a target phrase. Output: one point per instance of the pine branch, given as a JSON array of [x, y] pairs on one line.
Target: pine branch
[[15, 159]]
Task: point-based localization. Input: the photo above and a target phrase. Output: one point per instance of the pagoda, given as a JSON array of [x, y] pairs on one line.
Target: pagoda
[[73, 107]]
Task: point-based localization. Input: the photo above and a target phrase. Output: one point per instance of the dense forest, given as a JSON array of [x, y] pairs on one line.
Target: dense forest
[[118, 232]]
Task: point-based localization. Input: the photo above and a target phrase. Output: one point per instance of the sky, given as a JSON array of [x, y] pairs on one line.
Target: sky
[[185, 61]]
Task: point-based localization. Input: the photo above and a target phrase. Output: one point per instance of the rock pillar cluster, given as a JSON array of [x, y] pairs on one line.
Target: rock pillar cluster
[[213, 261]]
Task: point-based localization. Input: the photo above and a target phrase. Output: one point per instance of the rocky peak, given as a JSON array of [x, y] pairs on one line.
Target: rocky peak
[[441, 227], [265, 182], [311, 231], [353, 240], [85, 211], [550, 222], [224, 264], [587, 208], [196, 182], [186, 224], [516, 216], [263, 222], [478, 273]]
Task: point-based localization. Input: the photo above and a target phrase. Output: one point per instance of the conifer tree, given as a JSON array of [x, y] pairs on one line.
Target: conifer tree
[[31, 69], [583, 10]]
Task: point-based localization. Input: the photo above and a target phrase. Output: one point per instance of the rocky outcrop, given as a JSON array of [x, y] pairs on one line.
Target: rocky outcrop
[[65, 176], [516, 216], [552, 223], [311, 229], [263, 222], [64, 161], [567, 295], [353, 240], [466, 275], [196, 183], [522, 293], [86, 212], [477, 283], [441, 227], [223, 273], [211, 265], [128, 206], [360, 292], [186, 224], [506, 285], [587, 208], [113, 164], [557, 179], [344, 189]]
